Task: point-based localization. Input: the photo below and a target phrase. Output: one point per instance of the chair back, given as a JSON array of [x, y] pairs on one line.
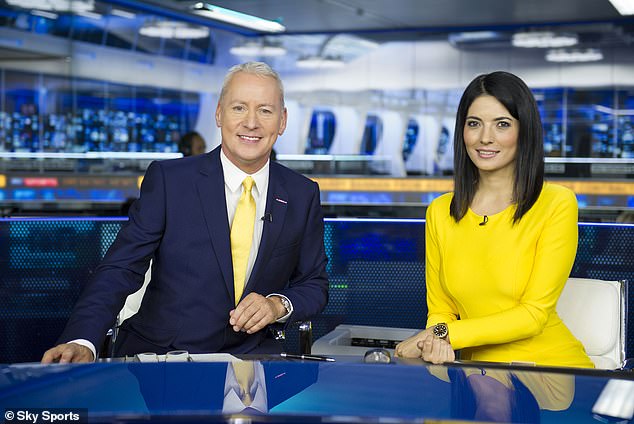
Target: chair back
[[130, 308], [595, 311], [133, 301]]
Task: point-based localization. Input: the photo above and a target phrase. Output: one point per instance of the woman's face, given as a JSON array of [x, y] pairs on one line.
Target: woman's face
[[490, 136]]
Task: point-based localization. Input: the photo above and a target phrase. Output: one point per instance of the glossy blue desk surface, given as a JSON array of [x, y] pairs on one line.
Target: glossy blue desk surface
[[344, 391]]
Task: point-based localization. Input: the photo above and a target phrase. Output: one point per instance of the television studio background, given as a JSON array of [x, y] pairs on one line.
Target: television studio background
[[92, 91]]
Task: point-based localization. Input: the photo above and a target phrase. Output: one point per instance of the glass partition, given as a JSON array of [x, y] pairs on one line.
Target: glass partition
[[56, 114]]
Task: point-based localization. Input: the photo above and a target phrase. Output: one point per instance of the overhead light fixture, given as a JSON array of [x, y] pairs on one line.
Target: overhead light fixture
[[173, 29], [89, 14], [55, 5], [624, 7], [472, 36], [122, 13], [574, 55], [237, 18], [319, 62], [44, 14], [544, 39], [256, 49]]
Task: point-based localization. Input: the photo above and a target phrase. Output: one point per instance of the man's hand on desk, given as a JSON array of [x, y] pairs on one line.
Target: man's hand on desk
[[255, 312], [68, 352]]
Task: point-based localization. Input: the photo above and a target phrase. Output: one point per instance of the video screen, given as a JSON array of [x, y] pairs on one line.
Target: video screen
[[56, 114]]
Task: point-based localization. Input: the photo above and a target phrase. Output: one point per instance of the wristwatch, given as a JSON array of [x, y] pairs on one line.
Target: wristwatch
[[441, 330], [286, 303]]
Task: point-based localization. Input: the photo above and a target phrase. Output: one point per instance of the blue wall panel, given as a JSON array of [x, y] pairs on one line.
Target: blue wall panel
[[376, 268]]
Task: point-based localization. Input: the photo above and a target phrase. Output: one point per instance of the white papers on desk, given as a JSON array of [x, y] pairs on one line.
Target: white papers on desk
[[193, 357], [213, 357]]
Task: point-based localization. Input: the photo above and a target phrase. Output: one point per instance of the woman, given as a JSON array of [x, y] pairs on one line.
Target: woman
[[499, 249]]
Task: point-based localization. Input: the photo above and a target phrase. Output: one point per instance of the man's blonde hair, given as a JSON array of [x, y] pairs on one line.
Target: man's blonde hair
[[254, 68]]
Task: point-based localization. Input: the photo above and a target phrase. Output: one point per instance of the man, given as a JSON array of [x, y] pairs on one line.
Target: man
[[191, 144], [183, 222]]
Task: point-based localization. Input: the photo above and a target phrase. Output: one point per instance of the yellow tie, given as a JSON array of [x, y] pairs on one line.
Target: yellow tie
[[241, 237]]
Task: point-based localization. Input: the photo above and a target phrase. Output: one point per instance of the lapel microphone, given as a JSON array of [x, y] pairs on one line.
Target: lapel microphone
[[485, 219], [267, 217]]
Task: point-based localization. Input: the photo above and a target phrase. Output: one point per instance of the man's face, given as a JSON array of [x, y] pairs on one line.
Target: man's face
[[251, 116]]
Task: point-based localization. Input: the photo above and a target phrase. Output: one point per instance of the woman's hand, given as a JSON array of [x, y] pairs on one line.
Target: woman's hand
[[408, 348], [426, 346], [436, 350]]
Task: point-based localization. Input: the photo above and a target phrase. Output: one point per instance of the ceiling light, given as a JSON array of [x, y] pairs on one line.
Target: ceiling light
[[89, 14], [255, 49], [472, 36], [44, 14], [54, 5], [173, 29], [624, 7], [544, 39], [122, 13], [237, 18], [574, 55], [318, 62]]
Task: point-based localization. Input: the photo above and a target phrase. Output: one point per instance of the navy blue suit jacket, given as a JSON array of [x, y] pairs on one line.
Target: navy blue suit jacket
[[180, 221]]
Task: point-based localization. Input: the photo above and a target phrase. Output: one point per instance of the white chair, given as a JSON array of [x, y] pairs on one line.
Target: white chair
[[130, 308], [595, 311], [133, 301]]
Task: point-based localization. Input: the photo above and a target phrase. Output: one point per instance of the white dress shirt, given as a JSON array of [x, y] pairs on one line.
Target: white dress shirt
[[234, 177]]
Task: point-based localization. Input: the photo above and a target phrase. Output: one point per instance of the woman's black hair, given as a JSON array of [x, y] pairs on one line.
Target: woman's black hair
[[518, 99]]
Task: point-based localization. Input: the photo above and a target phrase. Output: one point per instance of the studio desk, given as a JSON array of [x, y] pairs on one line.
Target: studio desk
[[374, 264], [286, 391]]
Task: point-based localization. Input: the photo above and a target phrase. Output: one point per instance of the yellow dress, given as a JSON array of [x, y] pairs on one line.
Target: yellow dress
[[497, 285]]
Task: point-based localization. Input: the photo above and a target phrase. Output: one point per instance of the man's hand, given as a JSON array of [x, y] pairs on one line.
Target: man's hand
[[68, 352], [255, 312]]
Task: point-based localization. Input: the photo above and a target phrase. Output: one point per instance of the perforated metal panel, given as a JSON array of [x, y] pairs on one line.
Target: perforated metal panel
[[44, 265], [376, 273], [605, 251], [377, 270]]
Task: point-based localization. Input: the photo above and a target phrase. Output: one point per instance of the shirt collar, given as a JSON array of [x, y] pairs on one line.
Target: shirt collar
[[234, 175]]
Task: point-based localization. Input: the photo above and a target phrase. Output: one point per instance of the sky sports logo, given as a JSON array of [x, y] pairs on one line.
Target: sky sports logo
[[46, 416]]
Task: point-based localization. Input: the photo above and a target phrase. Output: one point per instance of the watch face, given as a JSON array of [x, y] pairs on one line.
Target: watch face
[[286, 304], [441, 330]]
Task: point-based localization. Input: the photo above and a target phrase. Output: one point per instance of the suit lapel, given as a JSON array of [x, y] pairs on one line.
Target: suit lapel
[[276, 204], [211, 190]]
